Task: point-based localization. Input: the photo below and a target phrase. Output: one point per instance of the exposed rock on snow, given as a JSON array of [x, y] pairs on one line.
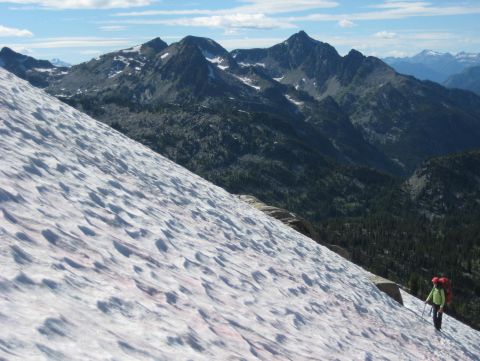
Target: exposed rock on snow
[[290, 219], [111, 252], [389, 287]]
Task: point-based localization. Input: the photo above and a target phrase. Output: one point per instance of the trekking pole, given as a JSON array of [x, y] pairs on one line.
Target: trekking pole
[[425, 305], [431, 309]]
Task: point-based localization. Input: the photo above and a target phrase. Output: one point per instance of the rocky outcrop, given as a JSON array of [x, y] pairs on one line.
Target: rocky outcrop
[[340, 251], [304, 227], [292, 220], [388, 287]]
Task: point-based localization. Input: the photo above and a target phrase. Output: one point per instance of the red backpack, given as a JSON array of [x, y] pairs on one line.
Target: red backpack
[[447, 287]]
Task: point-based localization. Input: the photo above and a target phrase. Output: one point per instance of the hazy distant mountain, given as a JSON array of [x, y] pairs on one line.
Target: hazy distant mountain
[[60, 63], [432, 65], [468, 79]]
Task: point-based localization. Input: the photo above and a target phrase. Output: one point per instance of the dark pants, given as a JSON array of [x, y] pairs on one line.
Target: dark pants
[[437, 317]]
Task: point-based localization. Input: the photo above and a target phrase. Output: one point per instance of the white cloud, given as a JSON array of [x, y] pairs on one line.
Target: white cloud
[[405, 43], [235, 21], [90, 52], [244, 15], [249, 43], [113, 27], [22, 50], [81, 4], [282, 6], [13, 32], [344, 23], [397, 53], [385, 35], [401, 4], [395, 10], [75, 42], [251, 7]]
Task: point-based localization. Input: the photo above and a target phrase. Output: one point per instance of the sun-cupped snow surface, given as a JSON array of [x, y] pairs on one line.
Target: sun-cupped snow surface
[[111, 252]]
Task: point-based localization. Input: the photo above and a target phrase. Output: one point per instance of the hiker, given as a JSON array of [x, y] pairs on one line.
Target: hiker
[[437, 296]]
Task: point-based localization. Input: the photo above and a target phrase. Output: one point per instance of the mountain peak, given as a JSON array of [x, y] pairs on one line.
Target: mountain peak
[[204, 44], [15, 59], [6, 51], [157, 45], [355, 54], [191, 39], [301, 36], [430, 53]]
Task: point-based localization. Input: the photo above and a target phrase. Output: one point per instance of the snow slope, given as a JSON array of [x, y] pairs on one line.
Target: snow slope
[[109, 251]]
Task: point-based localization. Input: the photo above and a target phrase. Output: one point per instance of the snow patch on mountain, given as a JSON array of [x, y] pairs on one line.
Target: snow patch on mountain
[[135, 49], [217, 60], [44, 70], [243, 64], [109, 251], [296, 102], [248, 81], [433, 53]]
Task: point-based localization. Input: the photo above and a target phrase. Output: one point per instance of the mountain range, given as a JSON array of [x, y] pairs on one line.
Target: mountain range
[[468, 79], [355, 109], [433, 65], [334, 139]]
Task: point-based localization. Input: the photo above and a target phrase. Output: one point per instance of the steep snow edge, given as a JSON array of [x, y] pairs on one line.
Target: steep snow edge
[[111, 252]]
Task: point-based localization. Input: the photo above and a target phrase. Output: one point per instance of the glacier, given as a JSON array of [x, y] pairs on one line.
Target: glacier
[[110, 251]]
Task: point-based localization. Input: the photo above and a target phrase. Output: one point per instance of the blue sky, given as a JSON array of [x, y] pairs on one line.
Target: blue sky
[[77, 30]]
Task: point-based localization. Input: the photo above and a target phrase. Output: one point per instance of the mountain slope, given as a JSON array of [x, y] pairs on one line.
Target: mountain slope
[[37, 72], [427, 226], [447, 185], [112, 251], [468, 79], [418, 70]]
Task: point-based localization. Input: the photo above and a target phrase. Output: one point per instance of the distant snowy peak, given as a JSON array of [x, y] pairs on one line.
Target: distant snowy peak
[[437, 56], [60, 63], [470, 58], [434, 65], [431, 53]]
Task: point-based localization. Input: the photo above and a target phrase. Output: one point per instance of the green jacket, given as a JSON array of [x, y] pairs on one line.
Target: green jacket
[[437, 295]]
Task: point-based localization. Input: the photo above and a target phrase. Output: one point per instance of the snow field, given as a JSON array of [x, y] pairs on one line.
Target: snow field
[[109, 251]]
